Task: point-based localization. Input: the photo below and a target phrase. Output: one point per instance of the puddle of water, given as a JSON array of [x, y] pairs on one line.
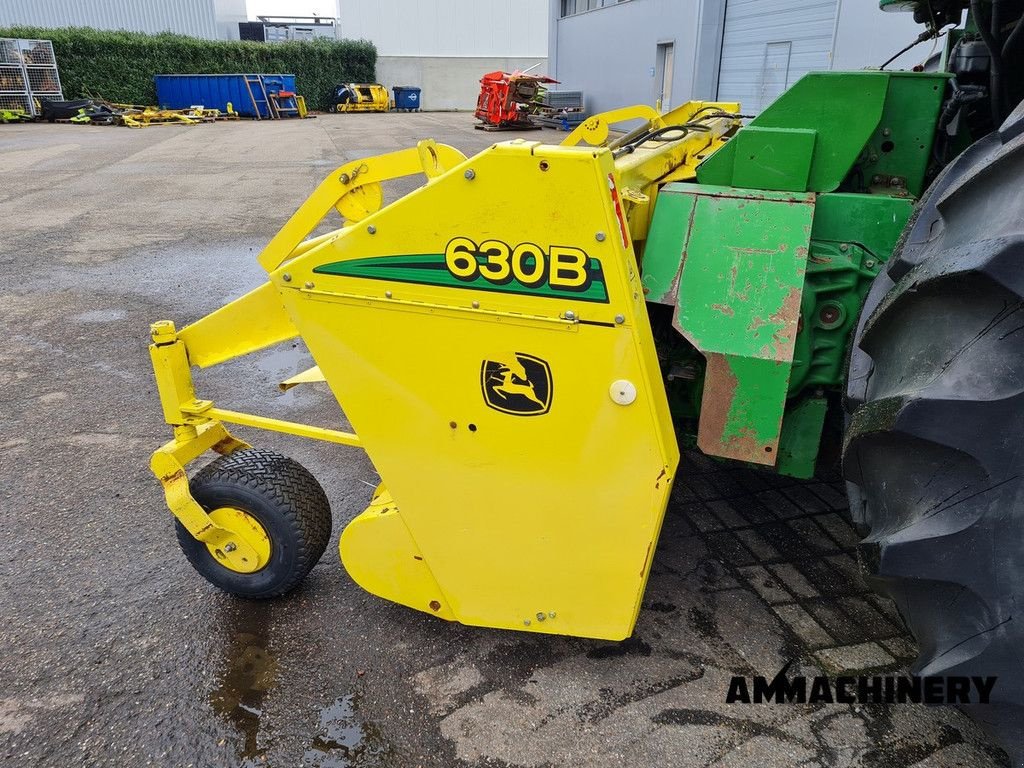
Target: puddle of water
[[345, 740], [250, 670]]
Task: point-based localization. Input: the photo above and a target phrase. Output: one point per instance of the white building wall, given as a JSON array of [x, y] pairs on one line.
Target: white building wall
[[448, 27], [445, 46], [187, 17]]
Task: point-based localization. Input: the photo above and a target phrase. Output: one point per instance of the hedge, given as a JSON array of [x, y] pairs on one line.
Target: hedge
[[119, 66]]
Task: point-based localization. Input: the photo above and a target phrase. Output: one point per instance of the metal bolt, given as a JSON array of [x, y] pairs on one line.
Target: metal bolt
[[371, 229], [551, 614], [870, 263], [476, 305], [570, 315], [620, 319], [309, 284], [387, 294], [886, 132], [873, 158], [844, 246], [470, 174], [344, 178], [895, 181], [877, 180], [829, 314], [526, 622], [286, 277], [230, 546], [599, 237], [540, 616]]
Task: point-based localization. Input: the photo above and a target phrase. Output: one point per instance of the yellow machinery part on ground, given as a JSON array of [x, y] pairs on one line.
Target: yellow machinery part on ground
[[497, 366], [370, 97]]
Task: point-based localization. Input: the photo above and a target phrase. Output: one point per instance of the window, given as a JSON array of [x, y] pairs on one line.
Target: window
[[572, 7]]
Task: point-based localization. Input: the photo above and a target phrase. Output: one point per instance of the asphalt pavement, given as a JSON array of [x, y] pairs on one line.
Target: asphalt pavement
[[113, 652]]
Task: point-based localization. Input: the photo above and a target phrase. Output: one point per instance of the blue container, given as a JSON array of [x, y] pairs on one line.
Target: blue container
[[407, 97], [215, 91]]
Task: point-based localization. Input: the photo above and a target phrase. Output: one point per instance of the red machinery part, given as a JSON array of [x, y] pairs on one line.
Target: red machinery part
[[503, 97]]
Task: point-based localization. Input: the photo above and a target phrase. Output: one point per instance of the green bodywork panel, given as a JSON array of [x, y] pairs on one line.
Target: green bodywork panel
[[801, 435], [766, 261], [879, 123], [737, 295]]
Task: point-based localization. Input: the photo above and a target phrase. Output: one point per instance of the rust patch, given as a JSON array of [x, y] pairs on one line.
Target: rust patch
[[786, 318], [720, 385], [725, 309], [647, 558], [719, 389]]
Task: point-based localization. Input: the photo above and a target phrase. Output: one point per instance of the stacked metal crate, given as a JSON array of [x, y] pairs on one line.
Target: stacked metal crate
[[560, 109], [28, 72]]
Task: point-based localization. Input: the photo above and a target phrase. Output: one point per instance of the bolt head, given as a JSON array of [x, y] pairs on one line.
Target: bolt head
[[286, 277], [551, 614], [371, 229], [230, 546], [599, 237], [870, 263], [540, 616], [309, 284], [387, 294], [844, 246], [476, 305], [886, 132], [570, 315], [526, 622], [344, 178], [470, 174], [620, 319]]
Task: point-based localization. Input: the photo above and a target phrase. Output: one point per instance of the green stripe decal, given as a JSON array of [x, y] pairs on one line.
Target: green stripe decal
[[431, 269]]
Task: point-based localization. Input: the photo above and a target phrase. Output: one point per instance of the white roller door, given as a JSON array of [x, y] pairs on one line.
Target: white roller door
[[767, 45]]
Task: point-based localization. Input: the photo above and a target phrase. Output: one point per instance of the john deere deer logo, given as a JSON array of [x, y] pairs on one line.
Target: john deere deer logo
[[519, 385]]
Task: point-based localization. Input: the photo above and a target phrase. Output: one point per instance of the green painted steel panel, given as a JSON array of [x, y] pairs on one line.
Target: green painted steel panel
[[738, 302], [880, 122], [782, 154], [801, 435], [663, 251]]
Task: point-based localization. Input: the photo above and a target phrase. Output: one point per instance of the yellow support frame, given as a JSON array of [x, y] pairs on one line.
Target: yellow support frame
[[253, 322]]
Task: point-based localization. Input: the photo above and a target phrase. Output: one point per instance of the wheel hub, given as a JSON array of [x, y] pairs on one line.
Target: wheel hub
[[242, 544]]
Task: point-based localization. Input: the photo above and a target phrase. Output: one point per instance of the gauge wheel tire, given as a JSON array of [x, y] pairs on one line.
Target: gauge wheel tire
[[934, 450], [286, 501]]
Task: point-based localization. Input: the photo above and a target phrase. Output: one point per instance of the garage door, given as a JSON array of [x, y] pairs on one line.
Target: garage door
[[767, 45]]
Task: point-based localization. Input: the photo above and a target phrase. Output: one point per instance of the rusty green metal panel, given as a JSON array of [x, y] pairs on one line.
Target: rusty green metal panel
[[738, 299]]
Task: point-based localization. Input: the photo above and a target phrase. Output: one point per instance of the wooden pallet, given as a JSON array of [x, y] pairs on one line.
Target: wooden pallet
[[515, 127]]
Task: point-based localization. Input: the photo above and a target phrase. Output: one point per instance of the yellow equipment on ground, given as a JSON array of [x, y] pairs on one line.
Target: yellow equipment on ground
[[486, 336], [362, 97]]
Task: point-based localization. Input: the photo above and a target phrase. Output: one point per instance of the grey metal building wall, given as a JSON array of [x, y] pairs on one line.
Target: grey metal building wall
[[187, 17], [610, 52]]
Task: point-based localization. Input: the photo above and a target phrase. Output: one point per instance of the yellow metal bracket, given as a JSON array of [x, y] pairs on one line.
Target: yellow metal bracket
[[354, 190], [198, 427], [168, 464]]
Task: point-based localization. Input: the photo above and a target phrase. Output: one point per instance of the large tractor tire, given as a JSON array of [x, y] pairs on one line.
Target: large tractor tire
[[934, 450]]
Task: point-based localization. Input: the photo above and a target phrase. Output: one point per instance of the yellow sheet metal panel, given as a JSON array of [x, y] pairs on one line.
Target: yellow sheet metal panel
[[487, 337]]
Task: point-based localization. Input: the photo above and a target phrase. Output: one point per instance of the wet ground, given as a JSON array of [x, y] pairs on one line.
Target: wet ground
[[113, 652]]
